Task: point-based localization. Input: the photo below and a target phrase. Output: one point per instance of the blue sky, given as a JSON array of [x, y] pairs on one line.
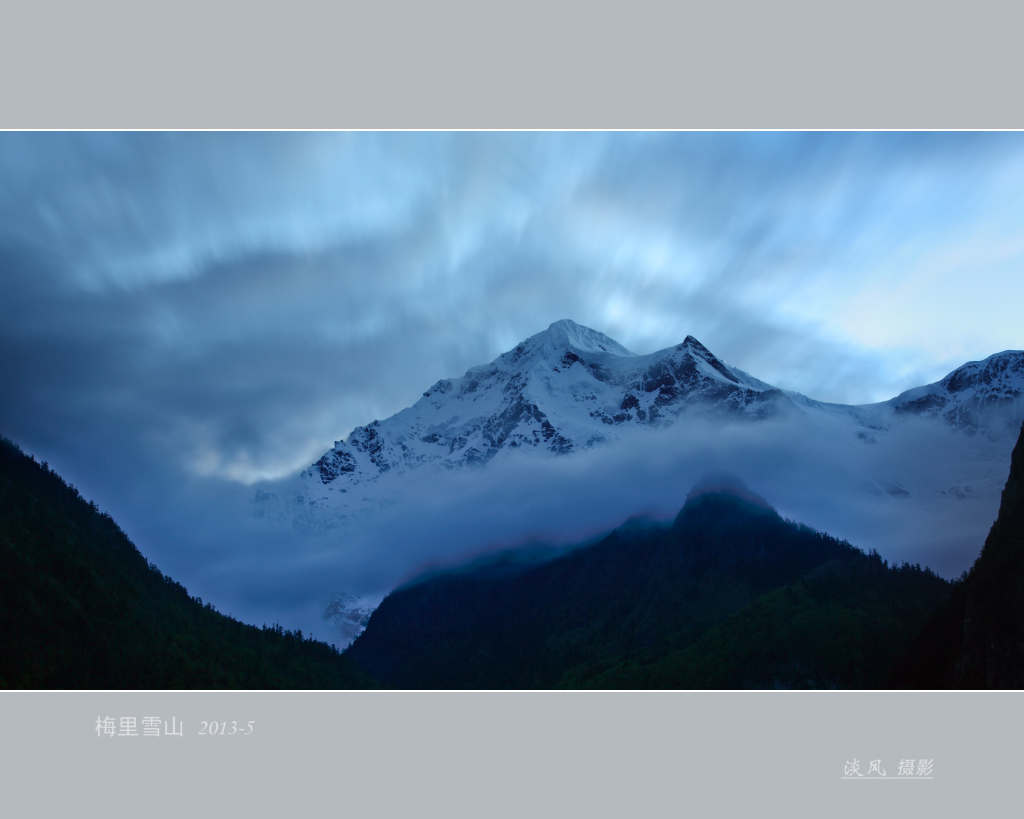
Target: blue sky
[[188, 310]]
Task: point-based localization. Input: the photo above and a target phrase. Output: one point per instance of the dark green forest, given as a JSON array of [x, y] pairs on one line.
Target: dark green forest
[[730, 595], [841, 627], [80, 607]]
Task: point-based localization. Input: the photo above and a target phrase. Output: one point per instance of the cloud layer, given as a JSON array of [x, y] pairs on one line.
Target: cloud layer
[[814, 470]]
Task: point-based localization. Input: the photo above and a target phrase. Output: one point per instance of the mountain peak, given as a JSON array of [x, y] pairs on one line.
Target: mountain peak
[[978, 397], [570, 388], [690, 341], [567, 333], [988, 373], [724, 483]]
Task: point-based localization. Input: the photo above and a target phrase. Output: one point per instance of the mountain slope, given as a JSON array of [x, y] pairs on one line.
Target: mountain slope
[[839, 626], [564, 389], [985, 397], [570, 388], [80, 607], [976, 640], [611, 614]]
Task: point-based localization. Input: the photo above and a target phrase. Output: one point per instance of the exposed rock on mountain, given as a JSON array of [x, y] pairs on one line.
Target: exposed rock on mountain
[[571, 388], [981, 397], [561, 390]]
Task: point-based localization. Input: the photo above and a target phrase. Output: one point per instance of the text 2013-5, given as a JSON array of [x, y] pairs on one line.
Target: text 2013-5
[[225, 728]]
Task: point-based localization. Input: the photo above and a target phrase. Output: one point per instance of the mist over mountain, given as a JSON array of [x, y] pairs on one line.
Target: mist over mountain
[[729, 595], [567, 434], [976, 640], [921, 487]]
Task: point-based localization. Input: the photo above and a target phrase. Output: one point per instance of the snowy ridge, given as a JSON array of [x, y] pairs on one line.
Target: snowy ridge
[[571, 388], [985, 397], [561, 390]]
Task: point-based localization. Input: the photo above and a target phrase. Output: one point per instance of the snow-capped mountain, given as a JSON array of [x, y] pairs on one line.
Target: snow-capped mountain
[[570, 389], [981, 397], [872, 473], [565, 389]]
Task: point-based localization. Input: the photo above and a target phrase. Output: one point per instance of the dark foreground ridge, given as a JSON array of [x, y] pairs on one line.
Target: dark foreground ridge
[[729, 595], [976, 639], [80, 607]]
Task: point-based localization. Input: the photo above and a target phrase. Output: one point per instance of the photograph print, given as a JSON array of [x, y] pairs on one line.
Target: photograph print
[[527, 410]]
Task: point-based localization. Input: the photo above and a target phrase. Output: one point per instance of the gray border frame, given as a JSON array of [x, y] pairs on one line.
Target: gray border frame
[[514, 754], [551, 65]]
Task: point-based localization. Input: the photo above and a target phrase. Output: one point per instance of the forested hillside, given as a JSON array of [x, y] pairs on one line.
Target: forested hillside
[[80, 607], [729, 596]]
